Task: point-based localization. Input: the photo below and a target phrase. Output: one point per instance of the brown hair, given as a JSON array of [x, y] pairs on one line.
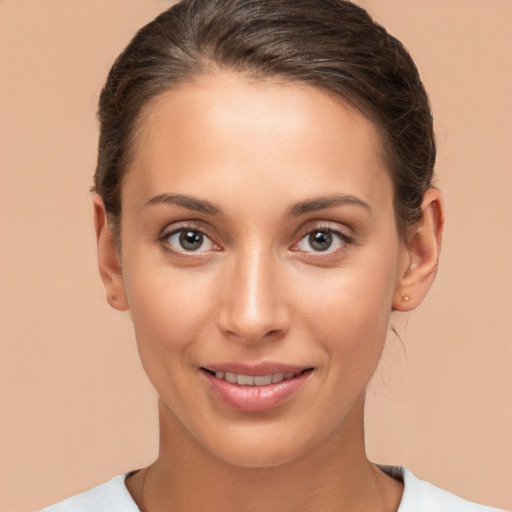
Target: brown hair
[[333, 45]]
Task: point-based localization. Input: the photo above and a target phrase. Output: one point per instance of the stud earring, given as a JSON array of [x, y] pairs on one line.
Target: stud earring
[[406, 298]]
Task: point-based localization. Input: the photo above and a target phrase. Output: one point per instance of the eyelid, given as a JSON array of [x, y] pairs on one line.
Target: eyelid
[[346, 239], [177, 227], [344, 233]]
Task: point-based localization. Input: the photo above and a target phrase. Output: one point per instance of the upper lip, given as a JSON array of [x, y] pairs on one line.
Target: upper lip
[[255, 369]]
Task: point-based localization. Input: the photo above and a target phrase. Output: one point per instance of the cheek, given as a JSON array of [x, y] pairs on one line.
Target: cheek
[[352, 296], [353, 336], [348, 312], [170, 309]]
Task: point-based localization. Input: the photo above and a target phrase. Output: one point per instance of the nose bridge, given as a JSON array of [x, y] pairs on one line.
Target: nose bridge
[[253, 305]]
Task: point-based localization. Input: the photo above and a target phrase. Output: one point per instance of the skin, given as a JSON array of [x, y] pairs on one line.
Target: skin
[[258, 290]]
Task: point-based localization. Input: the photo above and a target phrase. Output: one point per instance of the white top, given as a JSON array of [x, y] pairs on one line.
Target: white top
[[419, 496]]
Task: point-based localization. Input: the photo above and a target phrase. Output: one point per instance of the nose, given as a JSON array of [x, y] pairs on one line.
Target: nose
[[252, 306]]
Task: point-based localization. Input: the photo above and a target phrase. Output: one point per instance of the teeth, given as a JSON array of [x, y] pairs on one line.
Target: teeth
[[230, 377], [251, 380], [263, 380], [277, 377], [245, 380]]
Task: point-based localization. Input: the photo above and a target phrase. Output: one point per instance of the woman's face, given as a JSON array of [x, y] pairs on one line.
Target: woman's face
[[259, 245]]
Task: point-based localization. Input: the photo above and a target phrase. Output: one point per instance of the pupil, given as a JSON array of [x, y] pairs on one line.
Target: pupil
[[321, 240], [191, 240]]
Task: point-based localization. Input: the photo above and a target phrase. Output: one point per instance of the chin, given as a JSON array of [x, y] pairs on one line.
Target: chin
[[255, 457], [256, 447]]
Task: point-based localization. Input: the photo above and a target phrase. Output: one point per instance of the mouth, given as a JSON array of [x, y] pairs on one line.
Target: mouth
[[255, 389], [255, 380]]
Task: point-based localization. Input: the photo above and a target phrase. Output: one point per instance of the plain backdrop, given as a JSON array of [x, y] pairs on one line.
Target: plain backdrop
[[77, 409]]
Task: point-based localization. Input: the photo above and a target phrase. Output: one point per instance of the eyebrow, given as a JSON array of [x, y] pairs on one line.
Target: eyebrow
[[301, 208], [320, 203], [188, 202]]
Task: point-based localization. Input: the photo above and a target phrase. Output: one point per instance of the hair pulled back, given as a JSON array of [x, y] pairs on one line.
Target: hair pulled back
[[332, 45]]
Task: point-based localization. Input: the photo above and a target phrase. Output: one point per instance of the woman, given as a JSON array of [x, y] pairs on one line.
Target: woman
[[264, 202]]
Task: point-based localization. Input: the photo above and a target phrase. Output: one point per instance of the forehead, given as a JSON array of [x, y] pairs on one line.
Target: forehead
[[225, 131]]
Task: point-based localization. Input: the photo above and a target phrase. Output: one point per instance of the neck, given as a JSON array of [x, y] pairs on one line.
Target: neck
[[335, 476]]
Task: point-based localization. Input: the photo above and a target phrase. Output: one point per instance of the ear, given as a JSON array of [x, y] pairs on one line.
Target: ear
[[109, 260], [423, 246]]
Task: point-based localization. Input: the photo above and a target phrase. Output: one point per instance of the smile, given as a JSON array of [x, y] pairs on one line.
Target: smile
[[255, 393], [255, 380]]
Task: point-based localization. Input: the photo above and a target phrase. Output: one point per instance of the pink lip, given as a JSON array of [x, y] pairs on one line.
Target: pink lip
[[255, 398]]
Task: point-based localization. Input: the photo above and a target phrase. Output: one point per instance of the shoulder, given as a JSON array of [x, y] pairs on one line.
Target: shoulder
[[112, 496], [418, 496], [421, 496]]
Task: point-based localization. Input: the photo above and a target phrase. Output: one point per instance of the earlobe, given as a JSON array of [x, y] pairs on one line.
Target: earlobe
[[423, 248], [109, 260]]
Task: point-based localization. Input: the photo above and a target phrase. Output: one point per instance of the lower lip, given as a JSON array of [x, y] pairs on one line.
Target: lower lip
[[255, 398]]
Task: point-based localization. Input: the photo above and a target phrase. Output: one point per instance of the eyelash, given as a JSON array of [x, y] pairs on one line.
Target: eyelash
[[164, 240], [344, 239]]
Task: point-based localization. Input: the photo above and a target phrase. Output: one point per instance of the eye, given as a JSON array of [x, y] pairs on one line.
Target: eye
[[189, 240], [322, 240]]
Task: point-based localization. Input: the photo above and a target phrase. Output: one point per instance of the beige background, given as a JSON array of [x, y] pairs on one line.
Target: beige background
[[76, 407]]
